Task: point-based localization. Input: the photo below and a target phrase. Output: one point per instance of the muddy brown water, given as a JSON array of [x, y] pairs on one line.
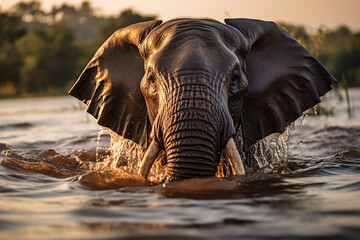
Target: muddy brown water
[[59, 180]]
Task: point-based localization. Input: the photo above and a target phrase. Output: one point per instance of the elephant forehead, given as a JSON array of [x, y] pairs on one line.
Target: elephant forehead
[[175, 33], [189, 45]]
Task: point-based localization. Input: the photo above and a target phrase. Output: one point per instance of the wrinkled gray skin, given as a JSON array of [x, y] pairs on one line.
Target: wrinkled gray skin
[[193, 84]]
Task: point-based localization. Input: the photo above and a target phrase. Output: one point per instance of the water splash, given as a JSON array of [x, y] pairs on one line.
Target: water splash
[[315, 109], [303, 116], [101, 150], [272, 151], [126, 155]]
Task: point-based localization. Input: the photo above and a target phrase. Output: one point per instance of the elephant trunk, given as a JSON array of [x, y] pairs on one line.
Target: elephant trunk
[[191, 149], [195, 129]]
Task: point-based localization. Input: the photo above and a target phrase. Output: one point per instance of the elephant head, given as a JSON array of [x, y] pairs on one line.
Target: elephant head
[[188, 85]]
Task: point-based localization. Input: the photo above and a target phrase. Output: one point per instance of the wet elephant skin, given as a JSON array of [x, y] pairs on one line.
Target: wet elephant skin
[[190, 85]]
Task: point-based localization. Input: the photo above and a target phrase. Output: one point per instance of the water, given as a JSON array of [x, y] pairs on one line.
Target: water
[[60, 180]]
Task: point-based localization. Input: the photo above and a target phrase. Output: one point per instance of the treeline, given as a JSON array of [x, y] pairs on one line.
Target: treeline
[[43, 52]]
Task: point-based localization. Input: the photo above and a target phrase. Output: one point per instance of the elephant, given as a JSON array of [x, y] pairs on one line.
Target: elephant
[[187, 87]]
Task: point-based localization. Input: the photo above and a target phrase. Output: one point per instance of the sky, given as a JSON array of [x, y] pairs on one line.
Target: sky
[[311, 13]]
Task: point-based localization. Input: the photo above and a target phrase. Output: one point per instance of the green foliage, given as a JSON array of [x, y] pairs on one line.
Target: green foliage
[[31, 47], [29, 11], [341, 54], [49, 59], [10, 59], [127, 17], [43, 52]]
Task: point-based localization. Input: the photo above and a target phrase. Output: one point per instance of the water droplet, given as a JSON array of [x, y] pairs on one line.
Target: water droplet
[[97, 145], [273, 144], [315, 110], [302, 119]]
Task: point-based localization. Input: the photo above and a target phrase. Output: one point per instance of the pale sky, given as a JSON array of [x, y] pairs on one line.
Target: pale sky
[[311, 13]]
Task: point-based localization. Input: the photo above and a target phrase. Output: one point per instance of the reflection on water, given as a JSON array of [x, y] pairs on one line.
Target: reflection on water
[[59, 179]]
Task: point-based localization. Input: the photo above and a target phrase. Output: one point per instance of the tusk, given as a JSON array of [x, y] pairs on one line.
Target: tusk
[[149, 159], [234, 158]]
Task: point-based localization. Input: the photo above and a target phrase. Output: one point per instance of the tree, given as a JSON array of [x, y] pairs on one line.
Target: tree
[[29, 11], [64, 55], [33, 72], [125, 18], [50, 59], [341, 55], [10, 59], [65, 14]]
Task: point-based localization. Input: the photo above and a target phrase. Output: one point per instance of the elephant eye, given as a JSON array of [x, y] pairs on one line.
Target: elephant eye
[[152, 82], [151, 78], [235, 81]]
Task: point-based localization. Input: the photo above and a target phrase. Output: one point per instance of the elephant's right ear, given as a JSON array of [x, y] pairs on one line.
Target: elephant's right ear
[[284, 79], [110, 83]]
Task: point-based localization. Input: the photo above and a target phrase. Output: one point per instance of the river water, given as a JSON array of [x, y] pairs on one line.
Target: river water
[[57, 182]]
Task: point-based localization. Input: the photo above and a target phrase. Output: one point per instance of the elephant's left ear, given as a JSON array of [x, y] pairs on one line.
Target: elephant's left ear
[[110, 83], [284, 79]]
